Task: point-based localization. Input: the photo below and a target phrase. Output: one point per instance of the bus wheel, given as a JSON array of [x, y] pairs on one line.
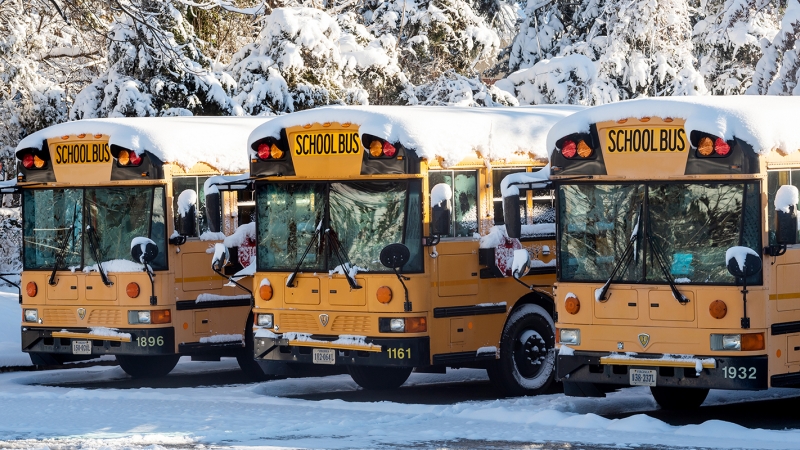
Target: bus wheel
[[147, 366], [678, 398], [527, 353], [379, 378], [246, 358]]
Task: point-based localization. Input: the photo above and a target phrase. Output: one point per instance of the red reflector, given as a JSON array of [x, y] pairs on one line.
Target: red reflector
[[27, 161], [569, 149], [135, 159], [263, 151], [389, 150], [721, 147]]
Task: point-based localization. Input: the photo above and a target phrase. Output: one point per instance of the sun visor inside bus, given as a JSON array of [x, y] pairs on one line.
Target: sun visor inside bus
[[740, 159], [149, 168], [43, 174]]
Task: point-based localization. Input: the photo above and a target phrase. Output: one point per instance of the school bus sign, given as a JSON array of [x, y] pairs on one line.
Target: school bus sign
[[632, 145], [646, 139]]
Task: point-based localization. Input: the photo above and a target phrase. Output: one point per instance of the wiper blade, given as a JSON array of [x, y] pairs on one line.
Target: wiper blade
[[94, 246], [659, 253], [62, 248], [628, 254], [290, 280], [341, 255]]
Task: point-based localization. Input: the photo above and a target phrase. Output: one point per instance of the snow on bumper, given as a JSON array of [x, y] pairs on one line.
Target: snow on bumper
[[141, 341], [581, 371]]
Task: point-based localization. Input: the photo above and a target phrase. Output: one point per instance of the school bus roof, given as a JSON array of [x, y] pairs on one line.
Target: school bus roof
[[217, 141], [765, 122], [451, 133]]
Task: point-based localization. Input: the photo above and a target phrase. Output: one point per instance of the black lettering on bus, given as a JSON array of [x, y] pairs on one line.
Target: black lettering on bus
[[637, 140], [663, 139], [106, 153], [681, 140], [612, 144], [647, 140], [343, 143], [354, 142]]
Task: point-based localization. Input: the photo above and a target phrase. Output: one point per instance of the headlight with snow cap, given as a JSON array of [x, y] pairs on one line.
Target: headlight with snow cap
[[569, 336], [31, 315], [265, 320]]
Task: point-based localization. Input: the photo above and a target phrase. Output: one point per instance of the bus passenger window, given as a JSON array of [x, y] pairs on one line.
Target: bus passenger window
[[246, 206], [776, 179], [464, 184]]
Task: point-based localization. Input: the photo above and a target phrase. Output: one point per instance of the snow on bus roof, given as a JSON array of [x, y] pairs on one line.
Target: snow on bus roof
[[217, 141], [765, 122], [449, 132]]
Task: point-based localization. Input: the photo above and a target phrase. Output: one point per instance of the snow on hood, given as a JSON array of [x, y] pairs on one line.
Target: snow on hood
[[449, 132], [217, 141], [765, 122]]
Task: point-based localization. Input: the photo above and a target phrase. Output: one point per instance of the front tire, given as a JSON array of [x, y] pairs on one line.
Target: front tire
[[379, 378], [527, 353], [678, 398], [246, 358], [147, 366]]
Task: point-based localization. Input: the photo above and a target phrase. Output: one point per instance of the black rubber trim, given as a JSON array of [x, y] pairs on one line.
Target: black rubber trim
[[448, 359], [459, 311], [785, 328], [786, 380], [40, 340], [185, 305], [217, 348]]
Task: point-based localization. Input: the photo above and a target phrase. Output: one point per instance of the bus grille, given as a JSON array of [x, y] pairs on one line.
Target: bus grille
[[104, 317], [302, 323], [58, 316], [351, 324]]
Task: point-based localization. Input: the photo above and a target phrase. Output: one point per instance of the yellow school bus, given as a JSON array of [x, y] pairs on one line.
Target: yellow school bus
[[116, 237], [381, 249], [674, 269]]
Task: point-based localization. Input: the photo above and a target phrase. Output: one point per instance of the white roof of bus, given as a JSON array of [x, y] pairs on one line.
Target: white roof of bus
[[765, 122], [217, 141], [449, 132]]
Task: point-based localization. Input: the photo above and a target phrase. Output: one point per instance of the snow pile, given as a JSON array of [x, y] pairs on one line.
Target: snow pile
[[633, 356], [740, 254], [210, 185], [508, 188], [219, 298], [10, 338], [116, 265], [451, 133], [217, 141], [442, 192], [487, 305], [244, 234], [107, 332], [344, 339], [222, 338], [786, 198], [765, 122], [521, 262], [345, 268], [212, 236], [565, 351], [483, 351]]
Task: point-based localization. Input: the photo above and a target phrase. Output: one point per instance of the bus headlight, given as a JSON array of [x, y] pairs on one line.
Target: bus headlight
[[31, 315], [569, 336], [402, 324], [737, 342], [149, 317], [264, 320]]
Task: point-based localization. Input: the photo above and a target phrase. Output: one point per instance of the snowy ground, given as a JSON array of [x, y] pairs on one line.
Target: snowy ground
[[35, 414]]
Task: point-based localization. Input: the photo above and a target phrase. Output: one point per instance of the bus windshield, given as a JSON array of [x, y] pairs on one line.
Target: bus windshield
[[58, 218], [691, 224], [365, 216]]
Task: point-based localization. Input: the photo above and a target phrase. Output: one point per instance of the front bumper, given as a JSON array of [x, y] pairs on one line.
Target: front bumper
[[582, 371], [273, 353], [142, 341]]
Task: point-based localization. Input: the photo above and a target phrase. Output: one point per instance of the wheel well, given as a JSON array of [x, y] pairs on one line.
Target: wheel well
[[536, 298]]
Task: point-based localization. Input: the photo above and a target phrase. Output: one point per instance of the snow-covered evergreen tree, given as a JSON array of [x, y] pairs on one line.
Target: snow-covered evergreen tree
[[561, 80], [777, 71], [156, 66], [727, 36], [451, 88]]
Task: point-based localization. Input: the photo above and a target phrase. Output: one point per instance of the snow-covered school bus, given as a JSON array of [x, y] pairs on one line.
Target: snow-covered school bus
[[381, 246], [117, 227], [678, 264]]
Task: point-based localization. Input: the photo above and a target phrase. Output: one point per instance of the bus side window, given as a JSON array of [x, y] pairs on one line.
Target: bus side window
[[464, 184], [776, 179], [246, 206]]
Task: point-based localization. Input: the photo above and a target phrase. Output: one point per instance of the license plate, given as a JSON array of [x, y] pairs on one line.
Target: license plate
[[642, 377], [324, 355], [81, 347]]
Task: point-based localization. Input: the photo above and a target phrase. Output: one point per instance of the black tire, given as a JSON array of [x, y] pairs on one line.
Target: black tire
[[678, 398], [527, 353], [379, 378], [246, 358], [147, 366]]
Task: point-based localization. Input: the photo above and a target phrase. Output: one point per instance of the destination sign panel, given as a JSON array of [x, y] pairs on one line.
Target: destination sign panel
[[325, 143], [646, 140]]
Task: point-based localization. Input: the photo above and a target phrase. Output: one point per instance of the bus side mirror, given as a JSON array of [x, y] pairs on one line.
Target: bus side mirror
[[742, 262], [221, 257], [186, 215], [440, 219], [786, 215], [511, 216], [521, 264], [214, 211], [143, 250]]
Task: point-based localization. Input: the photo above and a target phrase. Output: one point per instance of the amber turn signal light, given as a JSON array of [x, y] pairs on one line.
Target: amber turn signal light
[[753, 341], [416, 325], [265, 292], [384, 294], [572, 304], [718, 309], [132, 290], [160, 316], [31, 289]]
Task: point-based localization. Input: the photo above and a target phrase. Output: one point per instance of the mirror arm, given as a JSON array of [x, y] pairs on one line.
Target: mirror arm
[[407, 304], [231, 280], [17, 285], [430, 241], [745, 319], [153, 297]]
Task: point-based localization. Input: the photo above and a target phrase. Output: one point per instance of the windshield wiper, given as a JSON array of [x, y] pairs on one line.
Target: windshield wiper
[[290, 280], [628, 254], [341, 255], [94, 246], [659, 253], [62, 248]]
